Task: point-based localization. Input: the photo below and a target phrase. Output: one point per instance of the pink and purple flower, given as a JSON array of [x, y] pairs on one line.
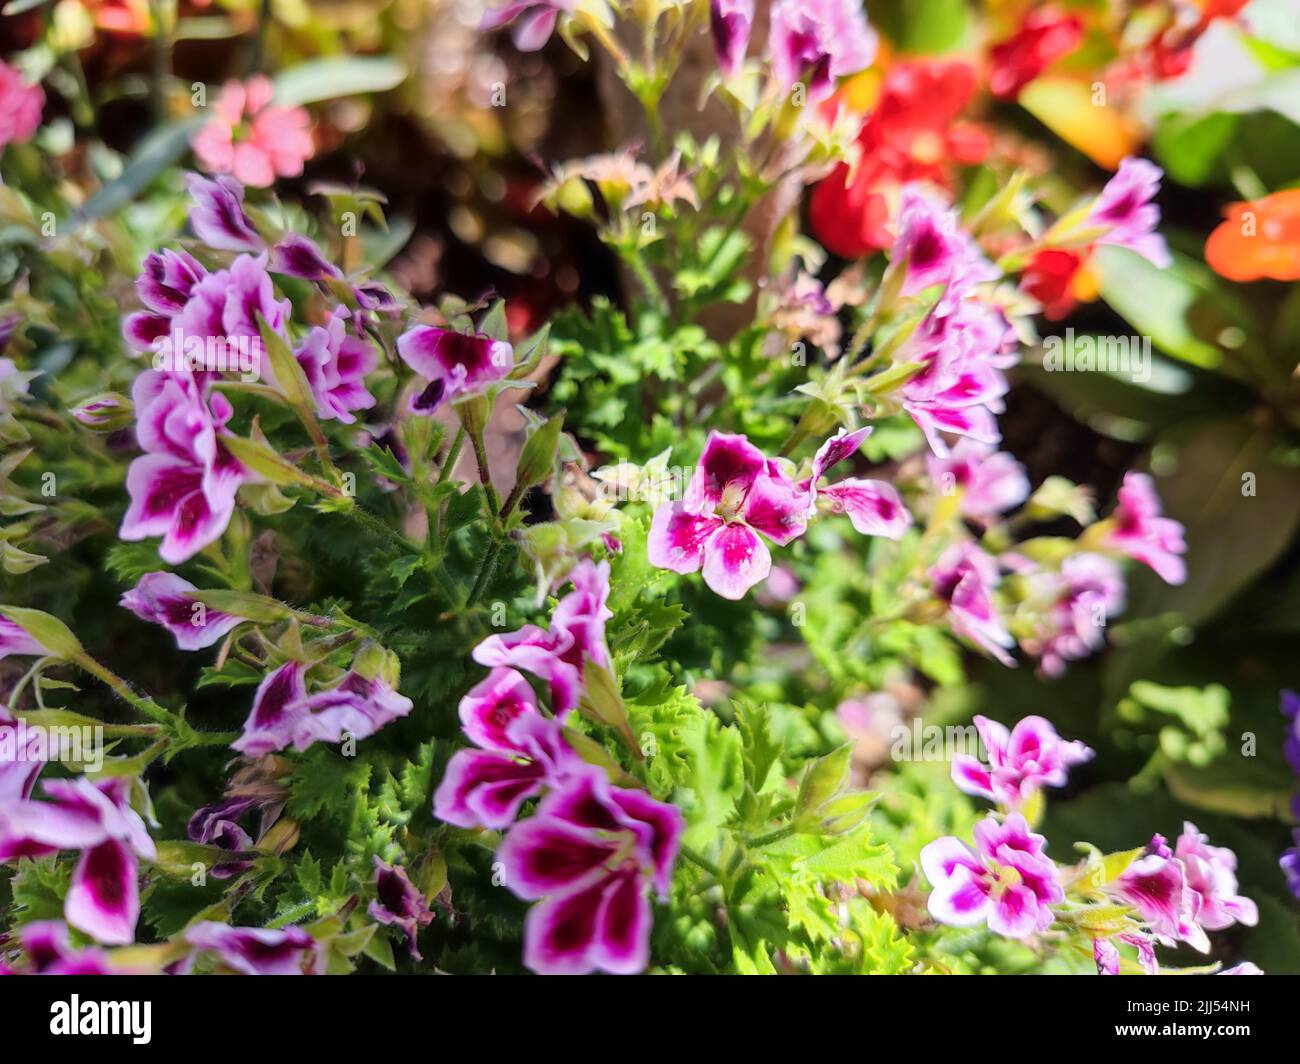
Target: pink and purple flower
[[735, 494], [166, 599], [965, 577], [399, 904], [1124, 209], [558, 655], [1020, 762], [873, 506], [816, 42], [254, 950], [1143, 534], [730, 22], [284, 714], [991, 482], [103, 900], [335, 363], [455, 364], [536, 21], [1006, 880], [592, 852]]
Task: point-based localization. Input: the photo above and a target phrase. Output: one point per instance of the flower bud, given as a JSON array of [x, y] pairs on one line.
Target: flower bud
[[106, 412]]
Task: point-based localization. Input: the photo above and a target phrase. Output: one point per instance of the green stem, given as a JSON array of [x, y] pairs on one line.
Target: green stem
[[701, 861], [484, 475], [485, 572], [760, 841]]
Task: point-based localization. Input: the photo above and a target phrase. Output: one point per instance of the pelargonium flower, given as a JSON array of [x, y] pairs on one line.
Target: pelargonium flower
[[730, 22], [25, 755], [934, 249], [166, 282], [818, 41], [255, 950], [183, 488], [536, 23], [558, 655], [592, 851], [1106, 954], [964, 577], [48, 950], [991, 481], [1006, 880], [164, 598], [103, 900], [398, 903], [1244, 968], [218, 217], [218, 825], [1212, 875], [912, 134], [1086, 592], [1044, 36], [873, 506], [1021, 761], [251, 137], [285, 714], [454, 363], [299, 256], [20, 107], [1125, 210], [959, 389], [1058, 279], [15, 640], [485, 788], [335, 363], [1143, 534], [735, 494], [1156, 886]]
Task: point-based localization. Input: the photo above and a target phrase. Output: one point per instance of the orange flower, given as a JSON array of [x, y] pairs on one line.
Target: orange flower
[[1258, 239]]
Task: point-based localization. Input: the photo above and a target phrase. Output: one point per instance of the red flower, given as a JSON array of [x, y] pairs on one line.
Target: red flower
[[1043, 38], [1049, 278], [911, 135]]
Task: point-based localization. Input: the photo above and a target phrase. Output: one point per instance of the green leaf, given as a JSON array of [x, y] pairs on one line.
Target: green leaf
[[329, 79], [159, 150]]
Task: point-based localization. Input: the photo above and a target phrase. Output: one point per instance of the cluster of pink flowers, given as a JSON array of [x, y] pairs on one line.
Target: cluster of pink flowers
[[590, 852], [184, 486], [737, 492], [1008, 881]]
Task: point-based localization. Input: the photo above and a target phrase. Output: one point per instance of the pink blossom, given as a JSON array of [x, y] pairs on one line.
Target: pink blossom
[[20, 107], [592, 852], [15, 640], [335, 363], [455, 364], [818, 41], [521, 755], [991, 481], [25, 753], [183, 488], [1156, 886], [559, 654], [1021, 761], [962, 351], [1244, 968], [255, 950], [1125, 210], [398, 903], [285, 714], [1006, 881], [735, 494], [1212, 875], [251, 137], [103, 900], [934, 250], [873, 506], [536, 21], [730, 22], [165, 599], [48, 950], [1143, 534], [1080, 600], [965, 577], [218, 217]]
